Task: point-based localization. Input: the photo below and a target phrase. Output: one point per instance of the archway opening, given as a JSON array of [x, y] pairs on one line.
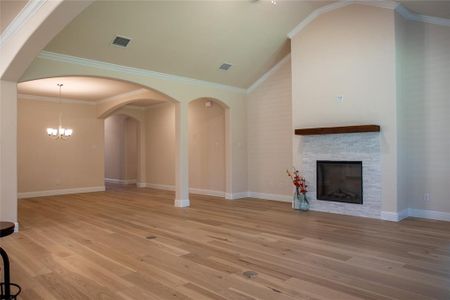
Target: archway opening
[[48, 166], [122, 141], [208, 147]]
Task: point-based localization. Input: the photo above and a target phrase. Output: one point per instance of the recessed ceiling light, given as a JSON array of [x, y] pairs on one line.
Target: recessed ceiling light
[[274, 2], [121, 41], [225, 66]]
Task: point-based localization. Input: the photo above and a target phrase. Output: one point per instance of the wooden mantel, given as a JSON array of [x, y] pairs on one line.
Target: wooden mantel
[[337, 130]]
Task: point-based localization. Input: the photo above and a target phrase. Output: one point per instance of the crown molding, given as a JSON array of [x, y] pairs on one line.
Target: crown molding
[[135, 71], [393, 5], [268, 73], [412, 16], [27, 12], [55, 99]]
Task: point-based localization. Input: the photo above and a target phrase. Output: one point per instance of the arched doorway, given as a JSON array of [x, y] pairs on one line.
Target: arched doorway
[[95, 112], [122, 141]]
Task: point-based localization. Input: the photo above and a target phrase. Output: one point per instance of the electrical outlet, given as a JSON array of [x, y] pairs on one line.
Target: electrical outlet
[[339, 99]]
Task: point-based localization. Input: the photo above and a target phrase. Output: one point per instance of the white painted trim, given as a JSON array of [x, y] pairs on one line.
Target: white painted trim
[[268, 73], [182, 203], [412, 16], [141, 108], [16, 226], [235, 196], [207, 192], [157, 186], [394, 216], [403, 11], [127, 94], [61, 192], [316, 13], [141, 184], [120, 181], [196, 191], [274, 197], [54, 99], [27, 12], [135, 71], [429, 214]]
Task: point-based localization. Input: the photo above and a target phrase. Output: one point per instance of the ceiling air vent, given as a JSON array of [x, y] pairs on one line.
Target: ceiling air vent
[[225, 67], [121, 41]]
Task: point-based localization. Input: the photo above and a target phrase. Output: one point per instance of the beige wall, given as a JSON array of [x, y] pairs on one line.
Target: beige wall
[[206, 146], [349, 52], [47, 164], [114, 147], [270, 133], [424, 107], [121, 147], [160, 144], [131, 149]]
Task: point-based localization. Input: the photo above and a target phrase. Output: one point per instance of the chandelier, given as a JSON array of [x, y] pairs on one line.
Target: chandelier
[[60, 132]]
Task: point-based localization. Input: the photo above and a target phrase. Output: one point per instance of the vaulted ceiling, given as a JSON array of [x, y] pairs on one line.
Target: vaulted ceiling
[[193, 38], [187, 38]]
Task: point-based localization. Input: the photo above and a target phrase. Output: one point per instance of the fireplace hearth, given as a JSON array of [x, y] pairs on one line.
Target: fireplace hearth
[[339, 181]]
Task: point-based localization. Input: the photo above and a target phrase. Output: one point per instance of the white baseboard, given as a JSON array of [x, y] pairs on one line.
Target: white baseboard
[[182, 203], [394, 216], [141, 184], [16, 226], [274, 197], [413, 212], [235, 196], [168, 187], [429, 214], [158, 186], [207, 192], [90, 189], [120, 181]]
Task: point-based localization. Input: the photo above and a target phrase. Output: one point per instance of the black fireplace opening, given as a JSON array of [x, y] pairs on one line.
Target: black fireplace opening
[[340, 181]]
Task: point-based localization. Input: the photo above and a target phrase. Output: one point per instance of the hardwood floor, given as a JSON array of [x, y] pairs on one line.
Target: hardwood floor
[[130, 243]]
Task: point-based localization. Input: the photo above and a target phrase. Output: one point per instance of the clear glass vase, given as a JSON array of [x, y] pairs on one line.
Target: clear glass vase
[[300, 201]]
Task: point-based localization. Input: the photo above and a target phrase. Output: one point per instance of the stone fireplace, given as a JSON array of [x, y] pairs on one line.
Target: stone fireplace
[[355, 189]]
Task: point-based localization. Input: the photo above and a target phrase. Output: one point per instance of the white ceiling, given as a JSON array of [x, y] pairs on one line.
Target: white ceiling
[[187, 38]]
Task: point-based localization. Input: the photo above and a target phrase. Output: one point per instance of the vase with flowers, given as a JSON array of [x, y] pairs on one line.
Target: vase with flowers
[[300, 201]]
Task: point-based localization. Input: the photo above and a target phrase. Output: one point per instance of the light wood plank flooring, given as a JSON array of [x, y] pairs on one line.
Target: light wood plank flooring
[[130, 243]]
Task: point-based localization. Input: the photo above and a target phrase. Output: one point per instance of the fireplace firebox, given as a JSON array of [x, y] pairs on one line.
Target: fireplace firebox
[[340, 181]]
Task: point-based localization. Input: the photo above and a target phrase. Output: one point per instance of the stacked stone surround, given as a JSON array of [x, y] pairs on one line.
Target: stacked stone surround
[[363, 147]]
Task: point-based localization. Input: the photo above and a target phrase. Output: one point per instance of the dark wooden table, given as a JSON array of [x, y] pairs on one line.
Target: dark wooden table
[[7, 228]]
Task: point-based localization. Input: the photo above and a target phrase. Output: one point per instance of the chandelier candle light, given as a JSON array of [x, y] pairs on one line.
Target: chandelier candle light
[[60, 132]]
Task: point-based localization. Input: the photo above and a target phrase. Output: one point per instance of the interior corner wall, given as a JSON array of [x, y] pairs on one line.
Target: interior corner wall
[[46, 164], [206, 146], [349, 52], [423, 109], [269, 138]]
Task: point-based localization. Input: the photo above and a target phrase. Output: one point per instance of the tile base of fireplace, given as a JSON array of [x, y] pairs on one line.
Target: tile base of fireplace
[[359, 147]]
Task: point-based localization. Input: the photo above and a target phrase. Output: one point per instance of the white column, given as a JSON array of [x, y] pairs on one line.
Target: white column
[[8, 151], [182, 155]]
